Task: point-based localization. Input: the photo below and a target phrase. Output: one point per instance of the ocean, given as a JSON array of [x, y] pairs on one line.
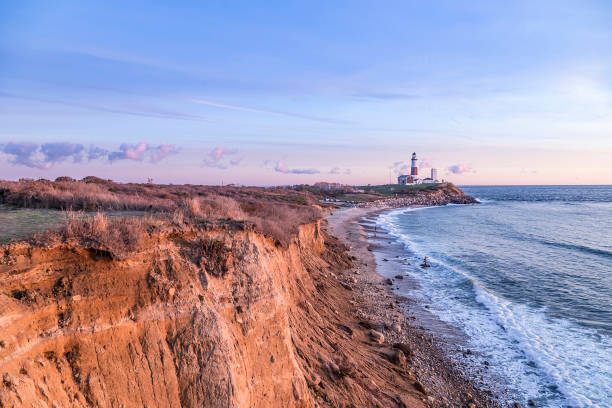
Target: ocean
[[526, 277]]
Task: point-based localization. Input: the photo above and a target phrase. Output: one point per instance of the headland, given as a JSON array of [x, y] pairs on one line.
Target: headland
[[213, 296]]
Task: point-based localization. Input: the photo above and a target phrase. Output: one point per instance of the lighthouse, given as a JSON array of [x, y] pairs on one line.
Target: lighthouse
[[414, 170]]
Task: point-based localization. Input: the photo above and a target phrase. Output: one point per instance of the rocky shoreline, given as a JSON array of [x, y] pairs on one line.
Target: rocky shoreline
[[391, 317], [413, 201]]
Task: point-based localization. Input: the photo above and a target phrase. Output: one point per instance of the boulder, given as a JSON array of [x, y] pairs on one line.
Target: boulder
[[377, 336], [398, 358], [420, 387], [404, 348]]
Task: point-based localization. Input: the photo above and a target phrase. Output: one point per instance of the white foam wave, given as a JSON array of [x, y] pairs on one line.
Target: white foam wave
[[552, 361]]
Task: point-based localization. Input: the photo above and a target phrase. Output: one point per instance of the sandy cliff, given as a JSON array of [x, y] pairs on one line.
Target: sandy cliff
[[219, 318]]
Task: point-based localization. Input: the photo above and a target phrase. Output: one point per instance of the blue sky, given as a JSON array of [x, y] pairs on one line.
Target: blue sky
[[297, 92]]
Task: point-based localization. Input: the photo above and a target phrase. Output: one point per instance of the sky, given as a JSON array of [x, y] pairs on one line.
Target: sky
[[284, 92]]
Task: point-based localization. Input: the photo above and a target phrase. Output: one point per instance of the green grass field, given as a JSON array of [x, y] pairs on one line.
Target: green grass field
[[393, 189]]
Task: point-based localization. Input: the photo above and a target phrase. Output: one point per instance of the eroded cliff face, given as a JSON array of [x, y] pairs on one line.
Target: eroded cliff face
[[209, 318]]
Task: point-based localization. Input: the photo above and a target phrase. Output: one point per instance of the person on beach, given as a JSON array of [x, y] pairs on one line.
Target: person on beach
[[425, 264]]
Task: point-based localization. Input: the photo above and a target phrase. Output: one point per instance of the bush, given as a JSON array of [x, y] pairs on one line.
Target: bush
[[63, 178], [116, 238], [95, 180], [214, 256]]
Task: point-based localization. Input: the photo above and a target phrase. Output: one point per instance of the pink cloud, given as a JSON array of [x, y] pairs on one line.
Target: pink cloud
[[217, 152], [459, 168], [218, 158], [399, 167], [142, 150], [281, 167], [338, 170], [162, 151], [47, 155], [129, 152], [43, 156]]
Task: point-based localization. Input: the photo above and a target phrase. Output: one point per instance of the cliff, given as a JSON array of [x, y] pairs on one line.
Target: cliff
[[220, 318]]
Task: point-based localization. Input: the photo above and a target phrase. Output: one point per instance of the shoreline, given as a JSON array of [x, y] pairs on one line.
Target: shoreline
[[401, 319]]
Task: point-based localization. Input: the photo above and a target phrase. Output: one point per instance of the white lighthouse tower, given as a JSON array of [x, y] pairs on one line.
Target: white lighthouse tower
[[414, 170]]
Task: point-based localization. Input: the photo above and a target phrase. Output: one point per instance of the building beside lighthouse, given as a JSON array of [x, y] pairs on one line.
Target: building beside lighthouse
[[413, 177]]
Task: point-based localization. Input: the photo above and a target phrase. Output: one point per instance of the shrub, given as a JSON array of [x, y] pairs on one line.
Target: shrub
[[117, 237], [214, 256], [218, 206], [63, 178], [96, 180]]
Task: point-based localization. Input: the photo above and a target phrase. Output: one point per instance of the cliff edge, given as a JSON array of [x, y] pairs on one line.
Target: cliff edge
[[211, 317]]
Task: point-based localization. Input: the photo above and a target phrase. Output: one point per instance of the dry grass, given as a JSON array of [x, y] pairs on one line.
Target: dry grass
[[76, 196], [114, 237], [275, 212]]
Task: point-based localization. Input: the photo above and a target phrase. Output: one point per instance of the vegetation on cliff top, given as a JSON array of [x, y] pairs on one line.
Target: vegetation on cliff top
[[275, 212]]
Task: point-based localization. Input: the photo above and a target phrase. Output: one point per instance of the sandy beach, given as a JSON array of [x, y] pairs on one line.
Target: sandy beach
[[399, 319]]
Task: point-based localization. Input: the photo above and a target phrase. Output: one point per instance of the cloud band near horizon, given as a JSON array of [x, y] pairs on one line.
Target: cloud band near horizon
[[46, 155]]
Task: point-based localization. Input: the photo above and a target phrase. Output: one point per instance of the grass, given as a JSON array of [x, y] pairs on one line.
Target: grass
[[392, 189], [114, 237], [79, 195], [20, 223], [275, 212]]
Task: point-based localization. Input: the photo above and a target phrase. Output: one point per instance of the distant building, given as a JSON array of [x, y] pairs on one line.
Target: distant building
[[434, 174], [322, 185], [405, 179], [428, 180], [413, 178]]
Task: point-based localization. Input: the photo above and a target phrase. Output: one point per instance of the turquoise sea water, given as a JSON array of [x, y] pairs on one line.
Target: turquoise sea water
[[527, 276]]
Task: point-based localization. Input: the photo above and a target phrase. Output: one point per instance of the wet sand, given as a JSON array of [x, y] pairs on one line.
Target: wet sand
[[401, 319]]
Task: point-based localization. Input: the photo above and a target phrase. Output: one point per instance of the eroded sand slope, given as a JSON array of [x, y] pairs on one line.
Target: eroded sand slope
[[215, 318]]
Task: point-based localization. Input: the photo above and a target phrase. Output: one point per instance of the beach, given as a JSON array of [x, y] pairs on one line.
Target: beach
[[520, 280], [400, 319]]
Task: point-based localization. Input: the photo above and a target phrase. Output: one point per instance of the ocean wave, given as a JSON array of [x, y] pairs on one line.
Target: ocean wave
[[577, 247], [552, 361]]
